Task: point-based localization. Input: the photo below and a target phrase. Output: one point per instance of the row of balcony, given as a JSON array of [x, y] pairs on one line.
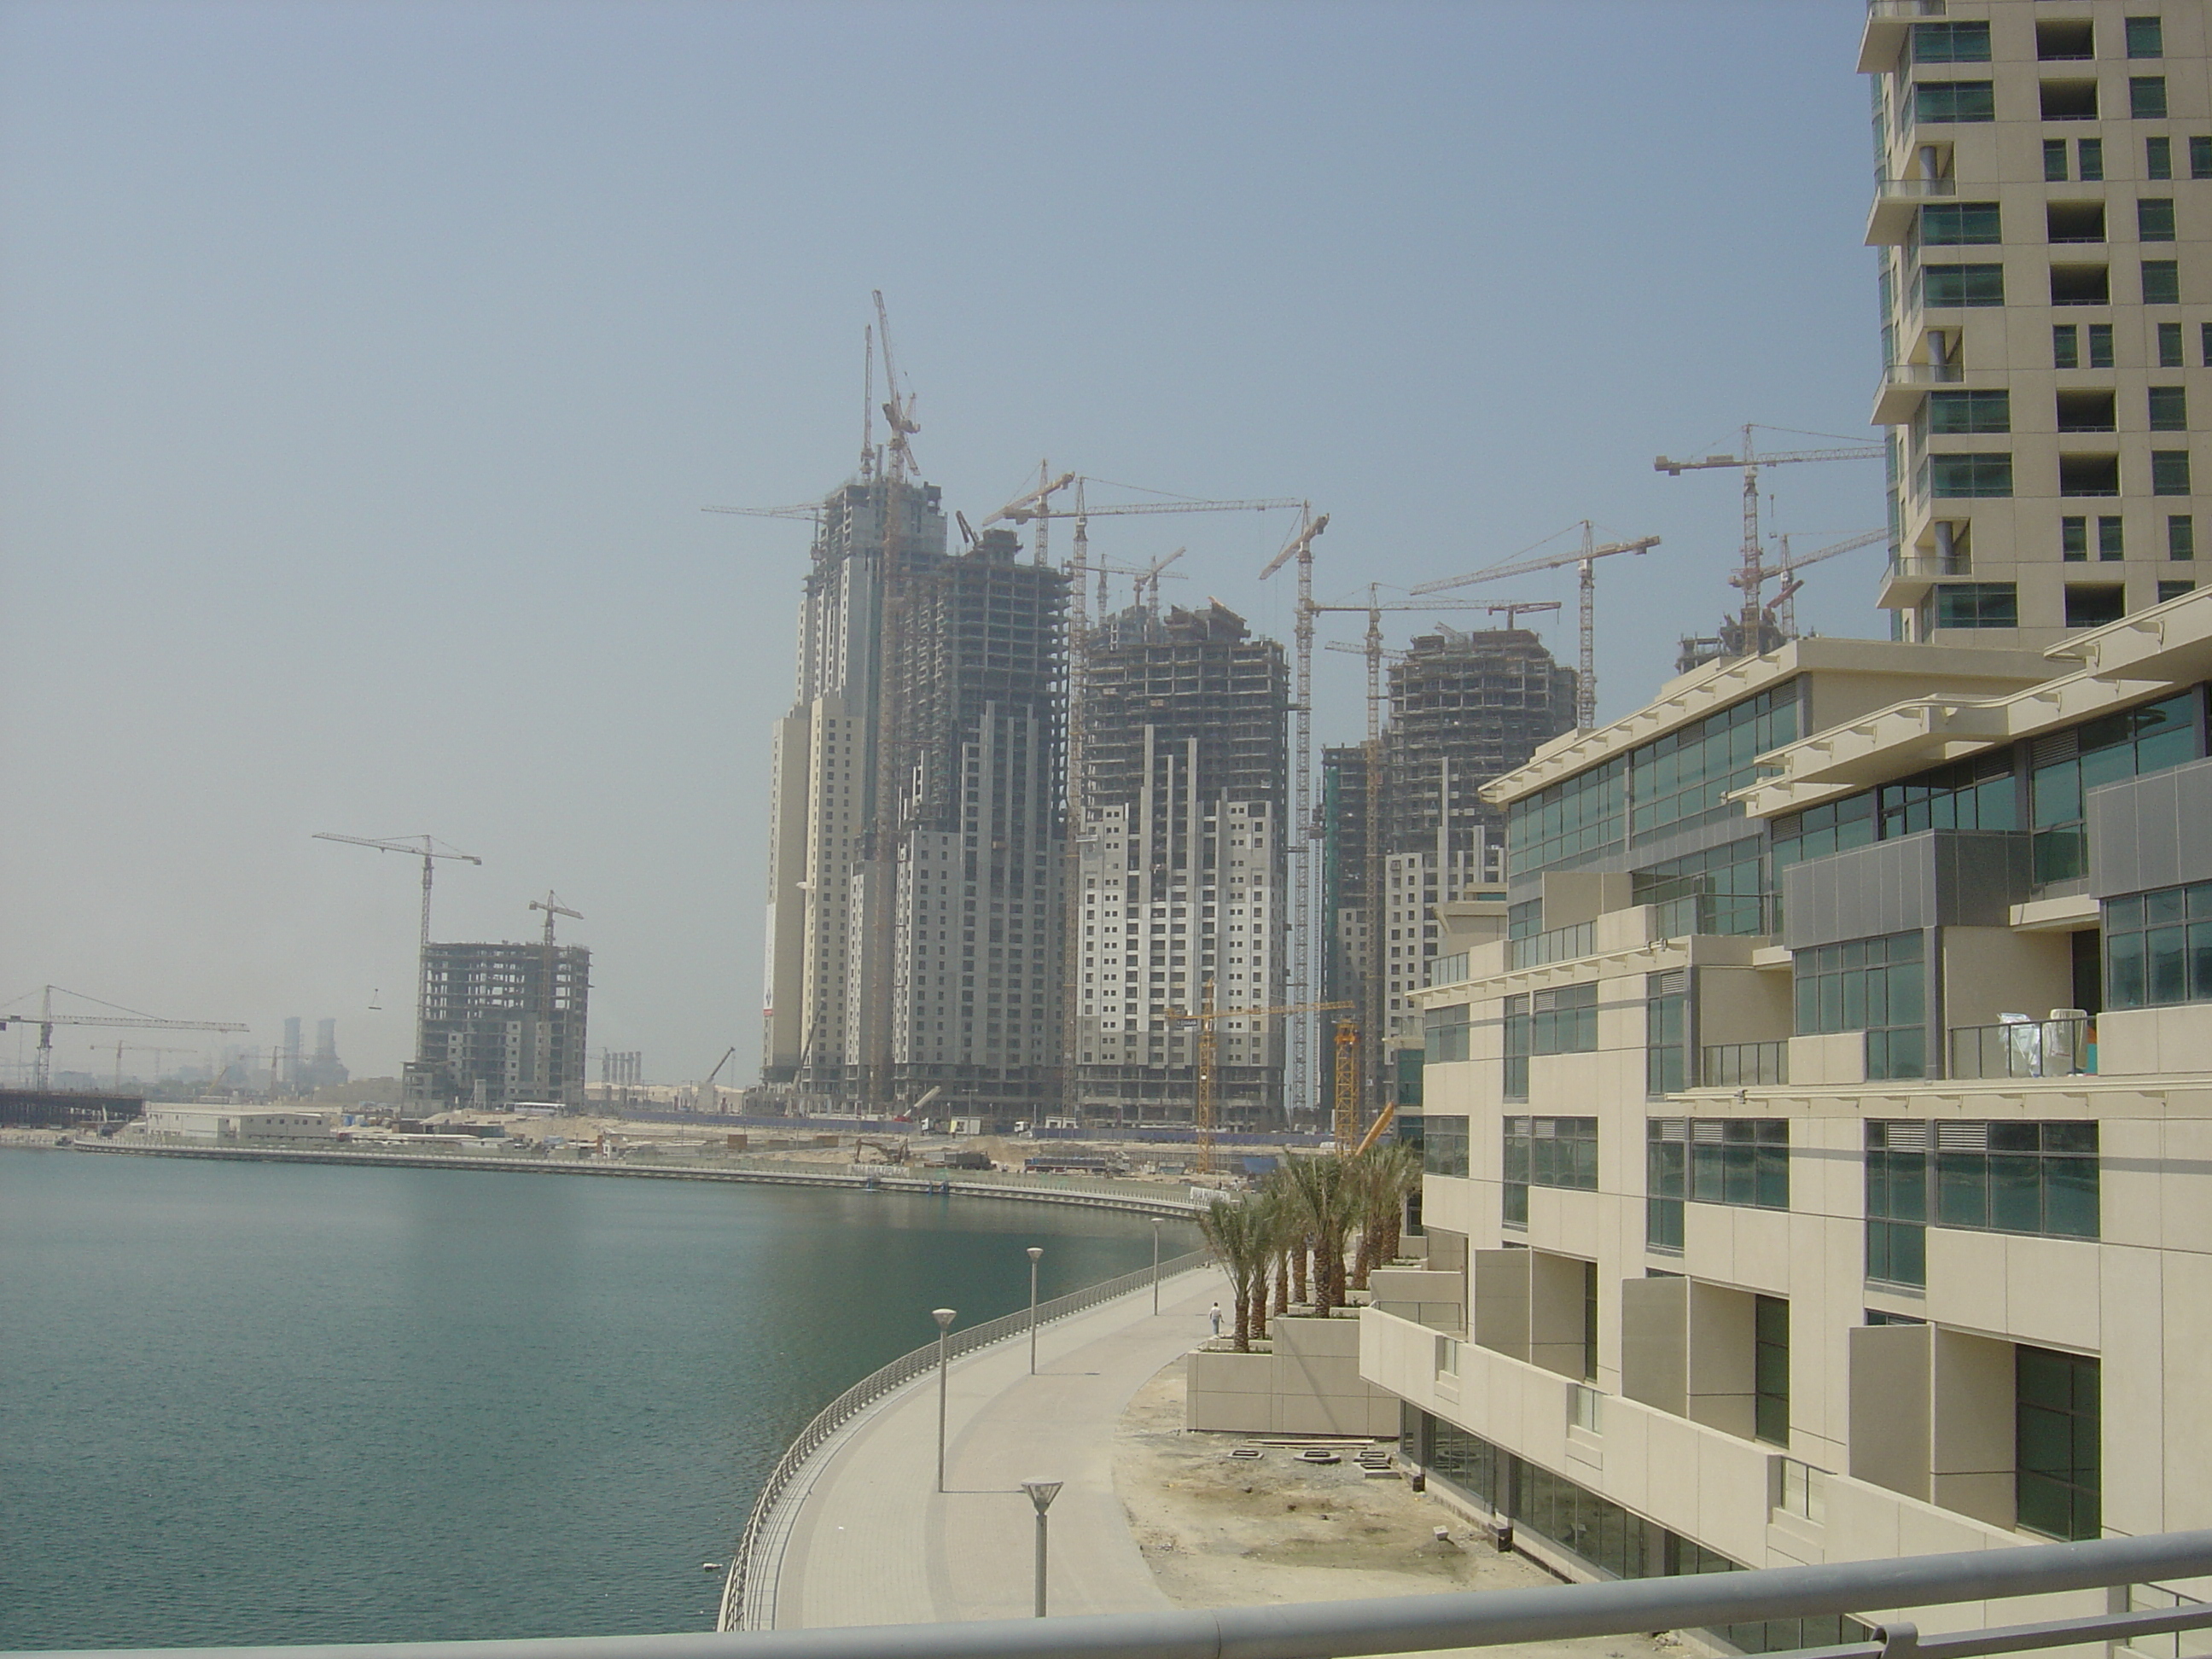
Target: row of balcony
[[2063, 1046]]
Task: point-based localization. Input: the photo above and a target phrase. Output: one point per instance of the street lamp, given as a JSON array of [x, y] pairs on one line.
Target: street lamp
[[1035, 1253], [1042, 1492], [1156, 1265], [944, 1317]]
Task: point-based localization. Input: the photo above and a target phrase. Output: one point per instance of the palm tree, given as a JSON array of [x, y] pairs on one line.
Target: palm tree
[[1238, 1244], [1385, 1175], [1326, 1197]]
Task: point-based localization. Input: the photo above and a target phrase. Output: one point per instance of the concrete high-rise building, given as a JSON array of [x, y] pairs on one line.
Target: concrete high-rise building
[[2045, 265], [976, 968], [825, 1015], [495, 1031], [1464, 709], [1182, 856], [325, 1070]]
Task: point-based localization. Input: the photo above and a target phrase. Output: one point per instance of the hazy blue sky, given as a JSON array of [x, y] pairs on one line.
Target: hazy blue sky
[[364, 367]]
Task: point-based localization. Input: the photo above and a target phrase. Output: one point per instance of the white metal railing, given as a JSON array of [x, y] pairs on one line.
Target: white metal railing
[[1469, 1618], [750, 1587]]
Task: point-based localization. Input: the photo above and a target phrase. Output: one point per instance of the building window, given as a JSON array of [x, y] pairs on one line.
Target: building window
[[1665, 1181], [1739, 1161], [1444, 1147], [2200, 158], [2065, 346], [2093, 605], [2100, 345], [1956, 224], [2161, 282], [2146, 37], [1976, 605], [2054, 160], [2158, 158], [2088, 475], [2058, 1432], [1445, 1033], [2158, 947], [1666, 1033], [2091, 152], [2169, 409], [1896, 1203], [2135, 741], [1515, 1035], [1969, 475], [1969, 411], [2181, 536], [2110, 541], [2073, 540], [2018, 1177], [2155, 219], [1956, 286], [1953, 43], [2146, 97], [2081, 285], [1952, 101], [2169, 345], [1564, 1020], [1874, 985], [2174, 590], [2169, 472], [1770, 1369], [1548, 1151], [2068, 100]]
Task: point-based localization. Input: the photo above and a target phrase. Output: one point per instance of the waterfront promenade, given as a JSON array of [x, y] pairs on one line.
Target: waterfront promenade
[[872, 1542]]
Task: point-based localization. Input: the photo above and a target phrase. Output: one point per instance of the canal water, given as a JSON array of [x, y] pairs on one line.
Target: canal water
[[263, 1403]]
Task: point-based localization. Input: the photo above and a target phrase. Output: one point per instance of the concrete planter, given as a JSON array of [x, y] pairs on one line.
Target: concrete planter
[[1310, 1384]]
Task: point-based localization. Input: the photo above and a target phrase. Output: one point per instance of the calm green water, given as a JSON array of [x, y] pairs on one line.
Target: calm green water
[[252, 1403]]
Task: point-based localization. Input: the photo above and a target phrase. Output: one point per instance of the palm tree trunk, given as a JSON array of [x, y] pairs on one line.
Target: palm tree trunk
[[1363, 1260], [1258, 1297], [1283, 1282], [1243, 1301], [1299, 1255]]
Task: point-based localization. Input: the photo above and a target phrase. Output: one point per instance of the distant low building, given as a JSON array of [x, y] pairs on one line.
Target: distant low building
[[221, 1125]]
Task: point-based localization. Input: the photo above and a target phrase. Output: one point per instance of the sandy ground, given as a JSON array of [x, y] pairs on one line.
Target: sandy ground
[[1223, 1532]]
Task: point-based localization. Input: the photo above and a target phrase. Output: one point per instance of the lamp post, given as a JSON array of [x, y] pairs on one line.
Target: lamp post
[[1035, 1253], [1042, 1492], [944, 1317], [1156, 1266]]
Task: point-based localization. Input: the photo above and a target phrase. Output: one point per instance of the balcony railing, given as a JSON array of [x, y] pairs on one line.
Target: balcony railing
[[1916, 190], [1505, 1619], [1905, 8], [1924, 374], [1448, 970], [1734, 914], [2024, 1047], [1560, 945], [1929, 566], [1743, 1064]]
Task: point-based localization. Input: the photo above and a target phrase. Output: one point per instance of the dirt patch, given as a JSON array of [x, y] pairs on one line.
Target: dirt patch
[[1223, 1531]]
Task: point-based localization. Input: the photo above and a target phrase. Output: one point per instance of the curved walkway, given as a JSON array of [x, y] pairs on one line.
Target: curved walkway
[[872, 1542]]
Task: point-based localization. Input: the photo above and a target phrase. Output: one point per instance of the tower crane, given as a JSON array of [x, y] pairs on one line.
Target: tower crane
[[810, 511], [1752, 573], [1513, 613], [1586, 556], [898, 405], [1036, 507], [45, 1019], [552, 907], [1782, 609], [429, 849], [1206, 1018], [1305, 889], [1367, 1055]]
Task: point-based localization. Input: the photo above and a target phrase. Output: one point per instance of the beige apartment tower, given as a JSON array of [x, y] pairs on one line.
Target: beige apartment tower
[[2043, 215]]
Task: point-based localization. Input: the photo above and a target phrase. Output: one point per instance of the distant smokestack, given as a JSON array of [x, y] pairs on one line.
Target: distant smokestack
[[326, 1040], [292, 1052]]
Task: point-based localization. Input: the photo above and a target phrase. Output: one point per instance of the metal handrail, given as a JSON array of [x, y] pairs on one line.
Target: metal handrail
[[739, 1592], [1419, 1624]]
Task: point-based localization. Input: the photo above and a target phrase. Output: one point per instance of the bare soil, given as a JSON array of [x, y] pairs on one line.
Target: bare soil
[[1221, 1531]]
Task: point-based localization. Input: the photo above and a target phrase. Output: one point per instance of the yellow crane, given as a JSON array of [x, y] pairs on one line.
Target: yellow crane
[[1205, 1019]]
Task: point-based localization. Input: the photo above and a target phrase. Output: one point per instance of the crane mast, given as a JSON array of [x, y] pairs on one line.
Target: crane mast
[[429, 850]]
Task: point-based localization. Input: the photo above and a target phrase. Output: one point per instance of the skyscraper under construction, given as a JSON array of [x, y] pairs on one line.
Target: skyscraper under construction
[[916, 811], [1464, 708], [1181, 857]]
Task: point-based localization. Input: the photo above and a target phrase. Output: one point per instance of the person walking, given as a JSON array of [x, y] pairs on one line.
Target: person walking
[[1215, 1316]]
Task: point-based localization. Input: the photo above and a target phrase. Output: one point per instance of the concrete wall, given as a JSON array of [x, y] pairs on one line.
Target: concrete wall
[[1989, 971], [1310, 1384], [1429, 1297]]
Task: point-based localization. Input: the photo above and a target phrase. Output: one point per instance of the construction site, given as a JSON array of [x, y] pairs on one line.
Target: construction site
[[1039, 855]]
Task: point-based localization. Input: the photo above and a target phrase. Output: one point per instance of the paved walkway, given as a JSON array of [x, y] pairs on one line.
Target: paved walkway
[[873, 1543]]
